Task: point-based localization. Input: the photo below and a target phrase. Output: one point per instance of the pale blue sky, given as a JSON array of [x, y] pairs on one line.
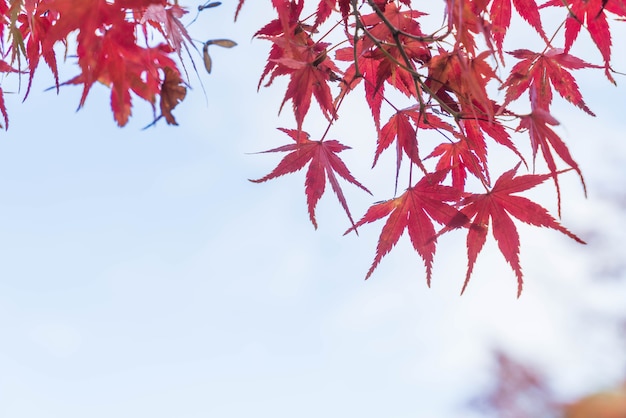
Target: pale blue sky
[[141, 274]]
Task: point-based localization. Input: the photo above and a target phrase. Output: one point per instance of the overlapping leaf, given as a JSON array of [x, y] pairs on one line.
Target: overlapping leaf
[[34, 28], [382, 56], [125, 67], [500, 13], [591, 14], [400, 129], [414, 211], [466, 19], [325, 8], [464, 76], [458, 159], [167, 21], [537, 71], [497, 208], [543, 138], [295, 54]]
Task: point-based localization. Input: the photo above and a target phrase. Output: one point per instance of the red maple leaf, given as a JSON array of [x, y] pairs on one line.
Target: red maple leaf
[[537, 71], [499, 205], [414, 211], [367, 70], [167, 22], [324, 162], [288, 21], [400, 130], [403, 20], [466, 77], [466, 18], [500, 14], [326, 7], [544, 138], [477, 119], [458, 159], [34, 29], [590, 13], [294, 53]]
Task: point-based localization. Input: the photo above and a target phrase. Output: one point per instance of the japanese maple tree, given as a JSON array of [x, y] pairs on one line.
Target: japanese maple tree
[[440, 95]]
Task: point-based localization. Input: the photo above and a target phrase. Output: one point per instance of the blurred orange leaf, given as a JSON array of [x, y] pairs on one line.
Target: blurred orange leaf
[[609, 404]]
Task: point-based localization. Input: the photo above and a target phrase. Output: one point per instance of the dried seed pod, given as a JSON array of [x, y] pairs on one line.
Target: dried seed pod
[[224, 43]]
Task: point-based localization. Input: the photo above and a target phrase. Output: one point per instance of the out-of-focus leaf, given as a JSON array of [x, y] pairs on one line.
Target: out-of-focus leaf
[[610, 404]]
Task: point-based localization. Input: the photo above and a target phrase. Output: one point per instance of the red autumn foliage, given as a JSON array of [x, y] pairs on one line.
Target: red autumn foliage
[[431, 93], [448, 80], [108, 47]]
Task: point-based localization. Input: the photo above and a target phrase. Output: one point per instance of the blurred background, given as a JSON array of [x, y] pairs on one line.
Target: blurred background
[[142, 274]]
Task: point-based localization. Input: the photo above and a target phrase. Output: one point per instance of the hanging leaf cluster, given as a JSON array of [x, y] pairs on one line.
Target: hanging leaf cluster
[[114, 44], [441, 99]]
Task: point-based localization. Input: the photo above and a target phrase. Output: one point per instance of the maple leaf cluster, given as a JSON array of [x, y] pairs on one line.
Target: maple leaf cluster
[[114, 44], [433, 95], [441, 84]]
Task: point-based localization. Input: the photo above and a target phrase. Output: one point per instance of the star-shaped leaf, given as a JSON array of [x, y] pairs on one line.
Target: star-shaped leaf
[[323, 162], [498, 207], [414, 211]]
